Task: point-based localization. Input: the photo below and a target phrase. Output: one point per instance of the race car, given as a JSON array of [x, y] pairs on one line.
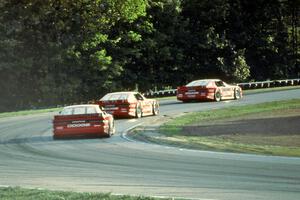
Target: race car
[[83, 120], [208, 89], [128, 104]]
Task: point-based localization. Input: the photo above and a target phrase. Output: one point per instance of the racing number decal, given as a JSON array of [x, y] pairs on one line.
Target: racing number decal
[[226, 92]]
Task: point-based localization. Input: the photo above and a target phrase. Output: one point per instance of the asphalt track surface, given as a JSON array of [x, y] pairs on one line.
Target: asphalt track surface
[[30, 158]]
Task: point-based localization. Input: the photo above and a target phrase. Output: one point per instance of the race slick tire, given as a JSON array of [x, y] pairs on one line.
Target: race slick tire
[[155, 108], [237, 94], [138, 112]]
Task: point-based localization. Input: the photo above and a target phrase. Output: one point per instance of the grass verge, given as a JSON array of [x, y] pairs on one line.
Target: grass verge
[[175, 126], [17, 193], [173, 132], [28, 112]]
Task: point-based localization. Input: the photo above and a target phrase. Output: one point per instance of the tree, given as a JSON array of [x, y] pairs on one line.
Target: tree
[[55, 50]]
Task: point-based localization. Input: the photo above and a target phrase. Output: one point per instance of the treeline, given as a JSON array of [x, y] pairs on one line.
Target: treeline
[[55, 52]]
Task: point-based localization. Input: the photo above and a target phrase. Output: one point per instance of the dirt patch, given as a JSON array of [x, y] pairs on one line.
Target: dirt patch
[[264, 129], [263, 126]]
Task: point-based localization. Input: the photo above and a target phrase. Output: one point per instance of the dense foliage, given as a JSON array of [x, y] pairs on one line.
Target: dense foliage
[[62, 51]]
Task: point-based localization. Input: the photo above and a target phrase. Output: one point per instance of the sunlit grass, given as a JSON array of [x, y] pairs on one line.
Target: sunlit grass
[[174, 126], [28, 112], [284, 145], [17, 193]]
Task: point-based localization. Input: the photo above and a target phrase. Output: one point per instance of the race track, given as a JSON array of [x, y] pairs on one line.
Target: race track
[[30, 158]]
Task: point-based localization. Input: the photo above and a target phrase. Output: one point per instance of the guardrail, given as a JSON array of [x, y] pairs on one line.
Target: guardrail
[[244, 86]]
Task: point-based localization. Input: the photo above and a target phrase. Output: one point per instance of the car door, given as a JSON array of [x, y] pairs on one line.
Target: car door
[[224, 90], [229, 90], [146, 105]]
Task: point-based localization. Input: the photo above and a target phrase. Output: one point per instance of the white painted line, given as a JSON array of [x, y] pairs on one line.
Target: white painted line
[[124, 133], [166, 197]]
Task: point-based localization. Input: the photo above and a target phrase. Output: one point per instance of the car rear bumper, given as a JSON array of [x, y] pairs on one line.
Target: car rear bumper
[[195, 97], [81, 132], [122, 114]]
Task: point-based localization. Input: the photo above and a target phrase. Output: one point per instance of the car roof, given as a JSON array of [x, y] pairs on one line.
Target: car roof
[[123, 92], [207, 80], [82, 105]]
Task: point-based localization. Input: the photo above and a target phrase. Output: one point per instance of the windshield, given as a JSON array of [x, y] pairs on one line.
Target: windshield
[[80, 110]]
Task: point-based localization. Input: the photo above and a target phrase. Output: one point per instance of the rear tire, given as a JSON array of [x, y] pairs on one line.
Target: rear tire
[[237, 94], [111, 129], [155, 108], [138, 112]]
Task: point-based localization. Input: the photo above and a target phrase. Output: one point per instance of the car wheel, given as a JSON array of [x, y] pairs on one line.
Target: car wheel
[[138, 112], [155, 108], [218, 96], [111, 129], [237, 94]]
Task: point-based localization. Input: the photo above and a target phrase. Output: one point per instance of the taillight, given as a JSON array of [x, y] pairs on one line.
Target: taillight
[[180, 89], [59, 127], [211, 90]]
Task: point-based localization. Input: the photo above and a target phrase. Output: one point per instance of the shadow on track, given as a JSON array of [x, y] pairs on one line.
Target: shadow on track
[[45, 139]]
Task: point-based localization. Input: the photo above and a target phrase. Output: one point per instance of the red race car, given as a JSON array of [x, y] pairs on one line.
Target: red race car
[[208, 89], [83, 120], [128, 104]]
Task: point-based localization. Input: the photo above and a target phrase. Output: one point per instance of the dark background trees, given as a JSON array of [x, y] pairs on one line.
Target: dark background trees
[[60, 51]]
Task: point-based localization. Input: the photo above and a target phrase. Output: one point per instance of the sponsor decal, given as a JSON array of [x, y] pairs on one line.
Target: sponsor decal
[[191, 93], [78, 125], [191, 96], [79, 121], [110, 108]]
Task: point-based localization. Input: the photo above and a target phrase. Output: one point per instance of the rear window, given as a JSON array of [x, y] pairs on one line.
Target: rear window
[[80, 110], [198, 83], [114, 97], [90, 110], [67, 111]]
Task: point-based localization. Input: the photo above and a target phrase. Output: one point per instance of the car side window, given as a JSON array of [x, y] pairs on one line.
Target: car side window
[[138, 96], [219, 83]]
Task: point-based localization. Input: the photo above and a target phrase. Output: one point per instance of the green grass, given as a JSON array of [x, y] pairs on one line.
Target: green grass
[[175, 126], [17, 193], [221, 144], [28, 112], [174, 135]]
